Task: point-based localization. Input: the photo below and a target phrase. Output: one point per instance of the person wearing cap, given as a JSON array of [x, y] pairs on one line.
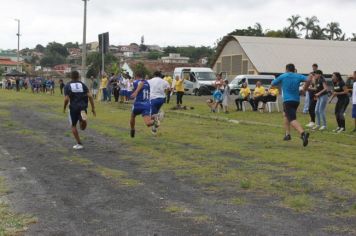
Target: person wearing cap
[[321, 95]]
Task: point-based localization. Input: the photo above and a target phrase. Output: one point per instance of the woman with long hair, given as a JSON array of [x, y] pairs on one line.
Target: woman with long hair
[[321, 94], [343, 100]]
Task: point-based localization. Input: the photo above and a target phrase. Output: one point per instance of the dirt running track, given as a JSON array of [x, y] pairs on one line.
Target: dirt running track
[[69, 199]]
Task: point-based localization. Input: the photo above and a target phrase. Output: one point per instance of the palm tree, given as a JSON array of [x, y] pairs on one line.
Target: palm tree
[[259, 29], [353, 37], [318, 33], [309, 25], [294, 22], [333, 29]]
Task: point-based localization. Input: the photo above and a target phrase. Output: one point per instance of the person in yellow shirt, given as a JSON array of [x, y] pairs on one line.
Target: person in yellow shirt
[[244, 95], [103, 85], [168, 92], [258, 94], [179, 87], [270, 96]]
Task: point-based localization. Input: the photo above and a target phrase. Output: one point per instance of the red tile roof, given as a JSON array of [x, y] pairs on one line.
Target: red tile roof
[[7, 62]]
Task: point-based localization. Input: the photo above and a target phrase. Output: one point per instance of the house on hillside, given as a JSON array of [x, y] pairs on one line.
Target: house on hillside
[[262, 55], [175, 58], [8, 65]]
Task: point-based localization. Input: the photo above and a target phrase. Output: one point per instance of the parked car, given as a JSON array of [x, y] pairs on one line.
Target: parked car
[[251, 80], [200, 80]]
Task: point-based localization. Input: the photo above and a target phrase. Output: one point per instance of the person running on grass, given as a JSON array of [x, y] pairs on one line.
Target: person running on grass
[[142, 104], [342, 93], [77, 95], [290, 82], [354, 101], [158, 89]]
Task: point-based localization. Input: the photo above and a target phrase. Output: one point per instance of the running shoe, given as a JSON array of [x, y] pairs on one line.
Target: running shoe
[[287, 137], [305, 139], [322, 128], [341, 130], [310, 125], [132, 133], [84, 115], [154, 130], [337, 129], [78, 147]]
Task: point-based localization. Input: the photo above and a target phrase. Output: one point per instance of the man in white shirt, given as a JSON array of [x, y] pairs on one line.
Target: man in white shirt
[[354, 101], [158, 89]]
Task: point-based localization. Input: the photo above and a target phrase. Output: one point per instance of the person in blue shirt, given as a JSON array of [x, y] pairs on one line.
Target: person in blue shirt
[[290, 82], [142, 104], [216, 101]]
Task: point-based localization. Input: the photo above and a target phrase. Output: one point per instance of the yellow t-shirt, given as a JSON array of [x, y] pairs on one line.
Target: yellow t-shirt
[[104, 82], [169, 80], [259, 91], [244, 92], [180, 85], [273, 91]]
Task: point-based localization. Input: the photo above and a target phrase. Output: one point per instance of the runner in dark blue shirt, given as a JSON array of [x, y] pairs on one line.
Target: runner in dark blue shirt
[[142, 104], [77, 95]]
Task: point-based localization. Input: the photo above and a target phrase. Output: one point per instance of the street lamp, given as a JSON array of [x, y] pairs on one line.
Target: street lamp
[[84, 49], [18, 44]]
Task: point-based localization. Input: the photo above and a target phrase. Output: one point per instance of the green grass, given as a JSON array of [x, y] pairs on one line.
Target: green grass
[[219, 155], [175, 209], [79, 161], [118, 176]]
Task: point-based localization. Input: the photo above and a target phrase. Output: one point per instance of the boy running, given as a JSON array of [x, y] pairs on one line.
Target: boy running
[[290, 82], [142, 104], [77, 95]]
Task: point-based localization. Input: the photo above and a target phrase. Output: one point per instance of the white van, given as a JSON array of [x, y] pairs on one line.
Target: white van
[[251, 80], [198, 80]]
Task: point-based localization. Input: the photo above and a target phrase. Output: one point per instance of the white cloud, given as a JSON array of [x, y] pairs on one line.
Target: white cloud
[[164, 22]]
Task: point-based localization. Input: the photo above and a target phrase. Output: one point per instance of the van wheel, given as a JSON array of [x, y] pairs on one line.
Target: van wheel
[[196, 92]]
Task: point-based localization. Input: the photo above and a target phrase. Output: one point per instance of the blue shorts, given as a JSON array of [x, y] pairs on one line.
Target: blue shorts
[[156, 105], [141, 108], [122, 92], [354, 111], [128, 94]]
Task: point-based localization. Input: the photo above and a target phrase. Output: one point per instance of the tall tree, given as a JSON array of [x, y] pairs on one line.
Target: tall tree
[[57, 48], [309, 24], [353, 37], [333, 30], [259, 29], [318, 33], [40, 48], [295, 22]]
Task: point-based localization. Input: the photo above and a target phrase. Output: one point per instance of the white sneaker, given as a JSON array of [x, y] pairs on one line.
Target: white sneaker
[[84, 115], [341, 130], [337, 129], [78, 147], [316, 127], [322, 128], [310, 125]]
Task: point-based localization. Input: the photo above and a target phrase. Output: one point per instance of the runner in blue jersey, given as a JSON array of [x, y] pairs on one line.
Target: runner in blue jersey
[[290, 82], [142, 104]]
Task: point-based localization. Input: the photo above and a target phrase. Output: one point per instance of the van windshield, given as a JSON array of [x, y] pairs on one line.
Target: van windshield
[[210, 76]]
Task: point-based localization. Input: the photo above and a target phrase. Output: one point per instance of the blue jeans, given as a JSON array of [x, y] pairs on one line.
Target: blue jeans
[[320, 109], [105, 94], [108, 93], [306, 103]]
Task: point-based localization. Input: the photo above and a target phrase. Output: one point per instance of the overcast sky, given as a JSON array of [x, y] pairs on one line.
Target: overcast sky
[[163, 22]]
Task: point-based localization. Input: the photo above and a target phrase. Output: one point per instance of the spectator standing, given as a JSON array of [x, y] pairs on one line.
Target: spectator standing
[[342, 93], [354, 101], [95, 86], [321, 94], [219, 83], [61, 86], [179, 87], [103, 87], [312, 101], [168, 93], [307, 97], [116, 88], [226, 95]]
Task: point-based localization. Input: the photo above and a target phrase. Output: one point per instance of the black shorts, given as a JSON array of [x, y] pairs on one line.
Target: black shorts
[[290, 110], [75, 116]]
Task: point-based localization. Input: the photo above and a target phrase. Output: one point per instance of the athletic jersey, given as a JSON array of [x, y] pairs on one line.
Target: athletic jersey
[[78, 95], [290, 86], [339, 87], [354, 94], [143, 95], [158, 88]]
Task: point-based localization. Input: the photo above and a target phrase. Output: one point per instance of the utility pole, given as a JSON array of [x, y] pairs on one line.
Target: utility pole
[[18, 45], [84, 49]]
